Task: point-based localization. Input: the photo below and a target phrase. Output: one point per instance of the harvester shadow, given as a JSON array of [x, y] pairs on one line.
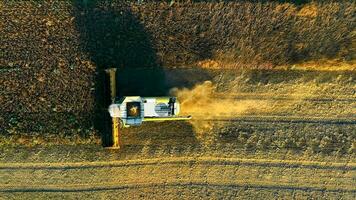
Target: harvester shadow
[[114, 37], [159, 139]]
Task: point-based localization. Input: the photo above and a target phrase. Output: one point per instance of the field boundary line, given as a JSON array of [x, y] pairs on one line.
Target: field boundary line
[[286, 97], [165, 183], [182, 160], [282, 119]]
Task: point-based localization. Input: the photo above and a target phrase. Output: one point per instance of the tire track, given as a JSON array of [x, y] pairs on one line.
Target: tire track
[[188, 183], [184, 171], [249, 96], [181, 160], [284, 119]]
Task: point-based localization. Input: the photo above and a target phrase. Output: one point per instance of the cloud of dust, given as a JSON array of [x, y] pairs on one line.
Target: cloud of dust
[[205, 104]]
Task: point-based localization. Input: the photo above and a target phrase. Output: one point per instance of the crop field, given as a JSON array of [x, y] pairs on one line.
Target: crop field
[[270, 86]]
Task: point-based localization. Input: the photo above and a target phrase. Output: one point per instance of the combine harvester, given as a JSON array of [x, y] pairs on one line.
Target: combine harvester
[[133, 110]]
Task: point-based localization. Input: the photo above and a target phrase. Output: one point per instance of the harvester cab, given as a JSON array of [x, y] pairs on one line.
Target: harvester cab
[[134, 110]]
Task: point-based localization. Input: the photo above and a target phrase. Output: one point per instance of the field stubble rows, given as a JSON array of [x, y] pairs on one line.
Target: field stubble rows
[[223, 172]]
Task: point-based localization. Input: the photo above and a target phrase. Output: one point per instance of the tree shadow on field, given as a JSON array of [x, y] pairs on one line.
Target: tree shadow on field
[[114, 37]]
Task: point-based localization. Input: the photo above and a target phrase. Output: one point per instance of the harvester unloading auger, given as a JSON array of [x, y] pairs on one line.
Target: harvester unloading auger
[[133, 110]]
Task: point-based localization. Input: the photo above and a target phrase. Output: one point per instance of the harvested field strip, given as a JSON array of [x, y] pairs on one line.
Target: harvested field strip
[[182, 160], [267, 96], [285, 119], [185, 171]]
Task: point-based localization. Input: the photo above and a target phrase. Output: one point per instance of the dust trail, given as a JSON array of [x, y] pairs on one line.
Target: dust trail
[[204, 103]]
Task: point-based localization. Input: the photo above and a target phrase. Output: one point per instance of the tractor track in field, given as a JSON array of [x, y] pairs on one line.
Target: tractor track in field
[[248, 96], [180, 160], [284, 119], [188, 183], [183, 171]]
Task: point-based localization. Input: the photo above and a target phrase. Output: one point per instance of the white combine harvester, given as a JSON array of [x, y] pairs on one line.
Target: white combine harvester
[[133, 110]]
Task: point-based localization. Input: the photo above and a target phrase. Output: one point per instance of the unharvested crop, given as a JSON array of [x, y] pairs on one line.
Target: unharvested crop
[[52, 53]]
